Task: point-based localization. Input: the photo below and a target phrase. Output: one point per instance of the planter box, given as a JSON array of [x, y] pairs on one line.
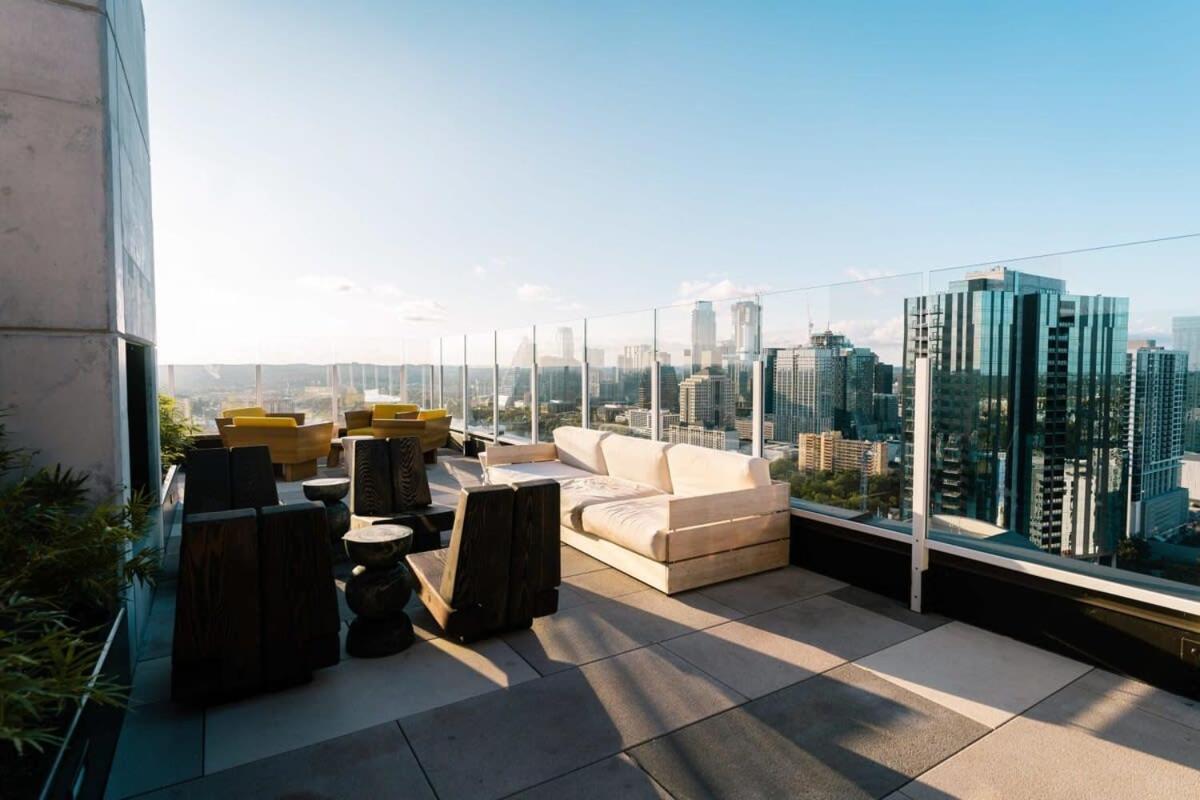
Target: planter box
[[80, 767]]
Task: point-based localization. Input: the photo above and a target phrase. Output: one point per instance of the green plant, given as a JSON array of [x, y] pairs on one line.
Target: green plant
[[175, 431], [46, 666]]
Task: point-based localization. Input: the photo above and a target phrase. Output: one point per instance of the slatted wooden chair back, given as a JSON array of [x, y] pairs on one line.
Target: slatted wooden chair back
[[478, 561]]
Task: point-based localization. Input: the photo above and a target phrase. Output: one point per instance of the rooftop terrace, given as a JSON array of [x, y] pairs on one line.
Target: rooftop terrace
[[785, 684]]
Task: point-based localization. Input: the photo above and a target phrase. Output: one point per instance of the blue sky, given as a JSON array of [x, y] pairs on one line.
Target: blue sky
[[344, 176]]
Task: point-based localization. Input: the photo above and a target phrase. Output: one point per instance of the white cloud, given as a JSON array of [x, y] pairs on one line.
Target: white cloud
[[479, 270], [724, 289], [870, 278]]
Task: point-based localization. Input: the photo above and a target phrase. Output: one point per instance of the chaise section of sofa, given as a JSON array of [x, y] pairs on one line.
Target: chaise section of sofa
[[673, 516]]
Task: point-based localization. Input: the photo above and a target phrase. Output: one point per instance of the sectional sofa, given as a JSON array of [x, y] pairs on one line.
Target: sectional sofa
[[674, 516]]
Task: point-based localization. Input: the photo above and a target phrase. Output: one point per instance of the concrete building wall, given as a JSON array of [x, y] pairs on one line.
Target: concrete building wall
[[76, 239]]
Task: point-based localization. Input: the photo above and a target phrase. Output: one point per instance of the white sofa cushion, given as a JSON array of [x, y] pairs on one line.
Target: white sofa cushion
[[580, 448], [638, 525], [638, 460], [699, 471], [534, 470], [576, 494]]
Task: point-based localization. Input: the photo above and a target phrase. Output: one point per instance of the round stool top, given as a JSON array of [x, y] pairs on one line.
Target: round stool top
[[378, 545], [327, 489]]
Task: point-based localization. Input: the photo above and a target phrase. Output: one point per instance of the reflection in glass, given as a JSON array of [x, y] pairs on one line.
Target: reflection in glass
[[560, 377], [514, 398], [620, 354]]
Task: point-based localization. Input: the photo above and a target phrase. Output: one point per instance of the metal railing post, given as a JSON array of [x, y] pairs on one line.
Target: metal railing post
[[757, 427], [534, 404], [495, 387], [335, 386], [921, 458], [258, 389], [585, 402]]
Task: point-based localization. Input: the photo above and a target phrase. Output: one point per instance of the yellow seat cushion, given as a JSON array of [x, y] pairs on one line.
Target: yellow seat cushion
[[390, 410], [249, 411], [360, 432], [433, 413], [264, 422]]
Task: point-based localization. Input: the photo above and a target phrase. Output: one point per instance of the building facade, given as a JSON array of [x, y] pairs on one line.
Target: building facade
[[1030, 396], [804, 386], [825, 452], [77, 248], [1158, 505]]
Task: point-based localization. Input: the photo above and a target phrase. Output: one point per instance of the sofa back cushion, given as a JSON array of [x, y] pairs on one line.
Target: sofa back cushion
[[264, 422], [638, 460], [393, 410], [249, 411], [699, 470], [580, 448]]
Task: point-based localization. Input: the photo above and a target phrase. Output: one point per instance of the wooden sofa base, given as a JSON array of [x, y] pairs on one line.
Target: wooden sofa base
[[680, 576], [298, 472]]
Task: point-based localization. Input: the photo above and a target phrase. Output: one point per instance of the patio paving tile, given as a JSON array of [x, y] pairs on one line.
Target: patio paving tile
[[160, 744], [151, 682], [1156, 701], [376, 762], [357, 693], [606, 582], [760, 654], [981, 675], [606, 627], [494, 745], [767, 590], [889, 608], [614, 777], [160, 628], [844, 734], [575, 562], [1075, 744]]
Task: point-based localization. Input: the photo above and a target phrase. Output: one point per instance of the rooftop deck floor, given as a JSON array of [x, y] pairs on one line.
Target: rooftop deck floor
[[786, 684]]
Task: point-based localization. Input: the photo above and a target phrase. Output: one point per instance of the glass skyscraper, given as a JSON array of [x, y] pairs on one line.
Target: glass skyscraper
[[1029, 407]]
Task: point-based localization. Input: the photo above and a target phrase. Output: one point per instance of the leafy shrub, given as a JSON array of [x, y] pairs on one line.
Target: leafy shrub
[[175, 431]]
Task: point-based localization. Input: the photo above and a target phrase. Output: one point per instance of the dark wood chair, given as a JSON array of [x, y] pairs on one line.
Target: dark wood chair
[[221, 479], [390, 487], [497, 573]]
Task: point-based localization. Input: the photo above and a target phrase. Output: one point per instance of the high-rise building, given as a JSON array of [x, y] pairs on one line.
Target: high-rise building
[[828, 451], [803, 388], [858, 396], [704, 335], [885, 378], [1158, 505], [713, 439], [1029, 407], [706, 400], [746, 318], [564, 342], [1185, 336]]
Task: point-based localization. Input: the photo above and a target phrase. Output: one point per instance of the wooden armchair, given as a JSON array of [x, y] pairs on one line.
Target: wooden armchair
[[294, 448], [502, 567], [228, 414]]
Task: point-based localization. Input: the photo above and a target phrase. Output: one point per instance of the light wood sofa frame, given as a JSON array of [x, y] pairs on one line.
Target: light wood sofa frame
[[711, 538]]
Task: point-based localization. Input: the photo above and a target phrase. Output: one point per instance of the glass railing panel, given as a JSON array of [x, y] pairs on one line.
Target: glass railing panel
[[452, 380], [203, 391], [1062, 388], [481, 386], [413, 376], [560, 377], [514, 393], [831, 421], [706, 351], [620, 353]]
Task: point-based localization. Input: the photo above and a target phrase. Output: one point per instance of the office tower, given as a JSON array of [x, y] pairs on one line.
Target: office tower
[[1185, 336], [829, 452], [885, 378], [1029, 407], [706, 400], [1158, 506], [886, 416], [746, 317], [803, 389], [704, 335], [1191, 410], [770, 356], [564, 342], [858, 396]]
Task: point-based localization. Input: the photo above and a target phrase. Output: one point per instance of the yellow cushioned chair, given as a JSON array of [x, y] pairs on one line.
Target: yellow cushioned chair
[[432, 413], [433, 430], [265, 422], [248, 411], [294, 448], [393, 410]]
